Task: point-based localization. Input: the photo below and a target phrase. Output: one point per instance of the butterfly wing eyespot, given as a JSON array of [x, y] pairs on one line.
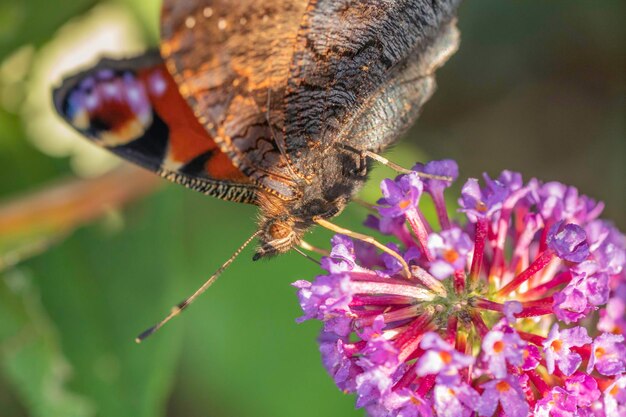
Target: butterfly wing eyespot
[[132, 107], [112, 108]]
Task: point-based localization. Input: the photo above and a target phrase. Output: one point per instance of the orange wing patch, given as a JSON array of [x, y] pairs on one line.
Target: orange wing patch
[[188, 139], [133, 108]]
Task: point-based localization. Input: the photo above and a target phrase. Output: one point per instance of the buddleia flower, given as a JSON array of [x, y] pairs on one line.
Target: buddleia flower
[[515, 304]]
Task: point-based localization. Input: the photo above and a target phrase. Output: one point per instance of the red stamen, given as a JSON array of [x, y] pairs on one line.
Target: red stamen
[[390, 317], [538, 382], [429, 281], [536, 307], [373, 288], [489, 305], [479, 250], [384, 300], [407, 379], [425, 384], [420, 231], [480, 325], [459, 281], [440, 209], [453, 323], [409, 340], [532, 338], [497, 265], [562, 278], [539, 263]]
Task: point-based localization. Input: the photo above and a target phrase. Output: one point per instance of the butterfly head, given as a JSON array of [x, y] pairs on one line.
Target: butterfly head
[[283, 223]]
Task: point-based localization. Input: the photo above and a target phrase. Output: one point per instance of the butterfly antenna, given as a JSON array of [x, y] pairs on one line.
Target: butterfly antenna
[[365, 238], [176, 310], [403, 170]]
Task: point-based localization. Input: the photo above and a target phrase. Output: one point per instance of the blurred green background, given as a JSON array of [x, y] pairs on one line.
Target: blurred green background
[[537, 87]]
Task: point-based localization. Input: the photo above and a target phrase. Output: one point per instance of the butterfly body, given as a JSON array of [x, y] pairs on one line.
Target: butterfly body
[[270, 102]]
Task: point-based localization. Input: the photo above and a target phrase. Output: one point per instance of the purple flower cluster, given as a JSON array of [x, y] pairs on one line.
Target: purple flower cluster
[[517, 308]]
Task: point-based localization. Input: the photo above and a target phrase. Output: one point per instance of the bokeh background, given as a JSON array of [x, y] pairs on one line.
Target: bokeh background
[[87, 262]]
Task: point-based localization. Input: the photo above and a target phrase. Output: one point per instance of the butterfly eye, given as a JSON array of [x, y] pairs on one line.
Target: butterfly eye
[[280, 230]]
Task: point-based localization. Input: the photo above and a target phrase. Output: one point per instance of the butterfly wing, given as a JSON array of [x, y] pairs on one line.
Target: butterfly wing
[[278, 82], [362, 70], [235, 82], [133, 108]]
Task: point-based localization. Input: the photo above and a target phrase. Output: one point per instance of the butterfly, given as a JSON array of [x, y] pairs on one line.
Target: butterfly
[[278, 103]]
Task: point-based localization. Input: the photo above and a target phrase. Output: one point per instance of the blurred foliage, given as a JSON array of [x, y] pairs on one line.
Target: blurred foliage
[[537, 87]]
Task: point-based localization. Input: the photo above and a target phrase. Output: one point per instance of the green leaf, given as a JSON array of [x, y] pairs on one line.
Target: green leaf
[[30, 353], [244, 354], [99, 288], [17, 20]]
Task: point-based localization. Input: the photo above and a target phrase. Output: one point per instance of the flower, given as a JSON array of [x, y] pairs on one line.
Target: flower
[[499, 348], [497, 318], [569, 241], [613, 318], [400, 196], [558, 403], [615, 398], [608, 355], [508, 393], [450, 249], [584, 389], [441, 359], [455, 400], [480, 203], [558, 346]]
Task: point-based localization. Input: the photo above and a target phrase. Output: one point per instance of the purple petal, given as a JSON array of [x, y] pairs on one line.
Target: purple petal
[[568, 241]]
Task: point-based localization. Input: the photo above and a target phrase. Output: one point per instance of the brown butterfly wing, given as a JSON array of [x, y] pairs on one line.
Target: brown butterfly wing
[[231, 61], [132, 108], [362, 71], [278, 82]]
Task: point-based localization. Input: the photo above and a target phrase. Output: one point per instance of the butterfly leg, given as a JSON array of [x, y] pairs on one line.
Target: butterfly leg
[[362, 168], [307, 246], [365, 238], [364, 154]]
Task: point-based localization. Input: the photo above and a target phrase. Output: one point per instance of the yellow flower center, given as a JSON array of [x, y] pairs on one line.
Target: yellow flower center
[[614, 390], [404, 204], [600, 352], [503, 386], [446, 357], [498, 346], [450, 255], [480, 206], [416, 401]]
